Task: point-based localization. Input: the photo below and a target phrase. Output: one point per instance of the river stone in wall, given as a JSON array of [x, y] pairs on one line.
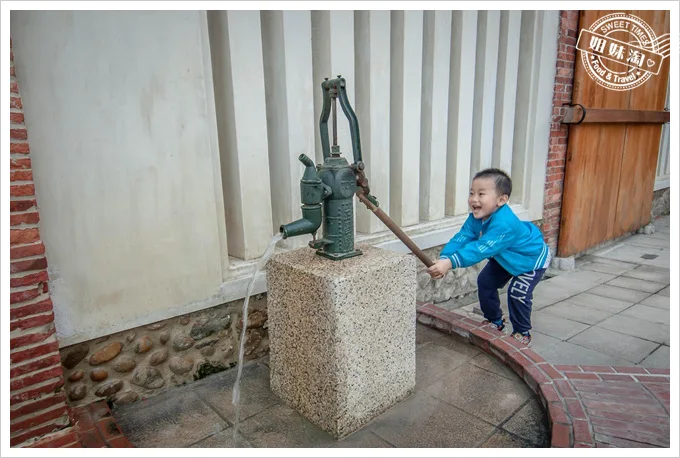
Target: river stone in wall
[[76, 375], [147, 377], [206, 326], [124, 364], [158, 357], [457, 284], [126, 397], [164, 337], [180, 365], [108, 388], [181, 341], [77, 392], [74, 356], [106, 353], [143, 345], [97, 375]]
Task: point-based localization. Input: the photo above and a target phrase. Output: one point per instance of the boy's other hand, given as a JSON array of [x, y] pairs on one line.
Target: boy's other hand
[[439, 268]]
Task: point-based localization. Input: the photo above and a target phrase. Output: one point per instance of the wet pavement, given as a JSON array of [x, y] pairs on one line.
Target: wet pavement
[[464, 398]]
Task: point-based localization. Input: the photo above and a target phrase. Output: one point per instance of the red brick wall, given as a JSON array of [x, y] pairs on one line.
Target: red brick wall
[[564, 79], [37, 402]]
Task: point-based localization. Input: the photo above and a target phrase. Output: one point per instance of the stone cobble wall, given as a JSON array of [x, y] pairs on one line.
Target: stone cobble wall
[[457, 284], [661, 203], [140, 362]]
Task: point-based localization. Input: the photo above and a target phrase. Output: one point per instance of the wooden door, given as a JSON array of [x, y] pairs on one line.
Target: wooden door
[[611, 164]]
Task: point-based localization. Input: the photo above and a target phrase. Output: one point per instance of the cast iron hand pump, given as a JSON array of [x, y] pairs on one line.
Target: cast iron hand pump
[[333, 185]]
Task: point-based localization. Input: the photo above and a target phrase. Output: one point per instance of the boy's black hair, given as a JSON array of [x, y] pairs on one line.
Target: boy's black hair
[[502, 179]]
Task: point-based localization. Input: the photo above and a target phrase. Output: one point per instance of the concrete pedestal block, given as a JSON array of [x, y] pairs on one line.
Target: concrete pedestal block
[[342, 335]]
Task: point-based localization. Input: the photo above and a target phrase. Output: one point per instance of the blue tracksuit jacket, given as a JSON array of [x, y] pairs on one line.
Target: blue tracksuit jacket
[[516, 245]]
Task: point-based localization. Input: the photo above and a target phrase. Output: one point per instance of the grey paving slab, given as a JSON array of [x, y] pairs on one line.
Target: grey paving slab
[[645, 312], [612, 269], [666, 291], [223, 439], [547, 294], [530, 423], [663, 260], [658, 301], [579, 280], [631, 253], [637, 284], [569, 353], [433, 361], [424, 421], [564, 286], [176, 418], [605, 260], [491, 364], [493, 400], [255, 396], [660, 358], [504, 439], [541, 342], [650, 273], [555, 326], [649, 241], [364, 438], [614, 344], [428, 336], [647, 255], [622, 294], [600, 302], [659, 236], [579, 313], [281, 426], [655, 332]]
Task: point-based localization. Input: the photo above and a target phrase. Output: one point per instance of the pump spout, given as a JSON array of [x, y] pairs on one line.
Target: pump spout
[[308, 224], [312, 194]]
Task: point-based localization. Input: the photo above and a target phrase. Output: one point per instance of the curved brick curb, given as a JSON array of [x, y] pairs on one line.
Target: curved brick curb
[[588, 406]]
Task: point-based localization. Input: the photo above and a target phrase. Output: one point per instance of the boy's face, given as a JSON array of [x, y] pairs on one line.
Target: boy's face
[[484, 199]]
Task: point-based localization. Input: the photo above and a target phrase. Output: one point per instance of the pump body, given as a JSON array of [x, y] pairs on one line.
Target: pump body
[[331, 185]]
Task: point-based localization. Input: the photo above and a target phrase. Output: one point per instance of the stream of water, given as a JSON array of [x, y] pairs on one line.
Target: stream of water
[[236, 395]]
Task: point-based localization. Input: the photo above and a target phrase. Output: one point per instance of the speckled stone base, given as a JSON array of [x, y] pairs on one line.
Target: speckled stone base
[[342, 335]]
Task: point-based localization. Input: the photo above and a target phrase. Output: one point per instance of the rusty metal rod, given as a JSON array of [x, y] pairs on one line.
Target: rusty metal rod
[[396, 230]]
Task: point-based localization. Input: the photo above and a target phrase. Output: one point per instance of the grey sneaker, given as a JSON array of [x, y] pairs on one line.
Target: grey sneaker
[[523, 338], [497, 327]]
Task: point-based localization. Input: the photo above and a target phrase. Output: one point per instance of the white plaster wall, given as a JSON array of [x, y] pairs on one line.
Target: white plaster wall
[[119, 109], [138, 197]]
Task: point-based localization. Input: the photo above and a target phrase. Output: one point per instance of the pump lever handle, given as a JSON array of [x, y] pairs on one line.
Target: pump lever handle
[[382, 216], [338, 87]]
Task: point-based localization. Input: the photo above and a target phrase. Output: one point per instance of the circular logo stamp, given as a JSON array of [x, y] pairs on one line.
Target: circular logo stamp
[[620, 51]]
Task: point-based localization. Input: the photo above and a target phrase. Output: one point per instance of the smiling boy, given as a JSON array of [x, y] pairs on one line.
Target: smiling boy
[[515, 249]]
